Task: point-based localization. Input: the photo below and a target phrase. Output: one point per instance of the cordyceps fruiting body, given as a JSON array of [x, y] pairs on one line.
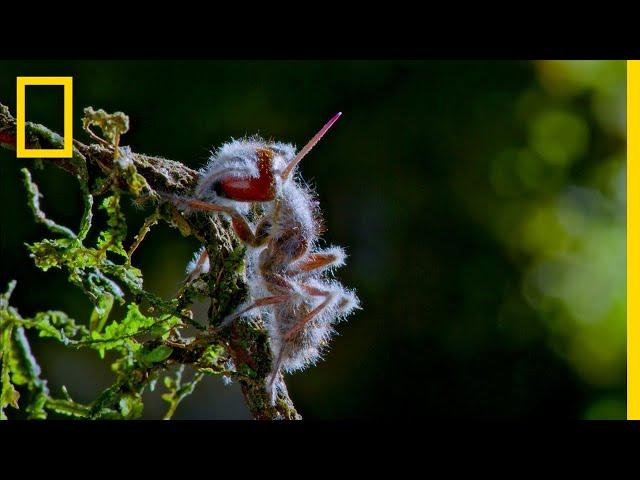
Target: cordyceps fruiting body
[[287, 274]]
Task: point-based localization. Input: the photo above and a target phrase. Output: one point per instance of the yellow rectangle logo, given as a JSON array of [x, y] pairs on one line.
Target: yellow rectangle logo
[[21, 150]]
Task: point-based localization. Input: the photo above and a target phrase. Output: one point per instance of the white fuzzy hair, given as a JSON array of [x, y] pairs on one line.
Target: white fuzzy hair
[[296, 207], [193, 263], [314, 338]]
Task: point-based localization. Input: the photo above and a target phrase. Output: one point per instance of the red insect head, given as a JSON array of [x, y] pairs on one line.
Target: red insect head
[[258, 189]]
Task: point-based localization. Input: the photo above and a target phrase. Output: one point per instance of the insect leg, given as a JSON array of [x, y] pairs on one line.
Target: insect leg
[[275, 370], [260, 302], [240, 224], [313, 313], [197, 268], [318, 261]]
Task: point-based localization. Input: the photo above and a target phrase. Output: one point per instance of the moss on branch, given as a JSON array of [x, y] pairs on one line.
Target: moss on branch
[[149, 339]]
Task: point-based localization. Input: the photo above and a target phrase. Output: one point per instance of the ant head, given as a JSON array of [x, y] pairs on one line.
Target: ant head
[[252, 170], [244, 170]]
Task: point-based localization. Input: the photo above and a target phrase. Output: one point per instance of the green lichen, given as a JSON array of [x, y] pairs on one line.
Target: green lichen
[[113, 125]]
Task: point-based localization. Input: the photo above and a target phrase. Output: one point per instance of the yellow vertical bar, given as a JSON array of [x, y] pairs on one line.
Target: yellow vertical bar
[[633, 239], [68, 117], [20, 116], [21, 150]]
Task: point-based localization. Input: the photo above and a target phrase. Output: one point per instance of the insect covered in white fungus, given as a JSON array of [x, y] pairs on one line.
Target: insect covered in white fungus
[[287, 272]]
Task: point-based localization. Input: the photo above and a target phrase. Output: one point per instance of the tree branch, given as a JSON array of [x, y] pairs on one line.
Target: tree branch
[[245, 342]]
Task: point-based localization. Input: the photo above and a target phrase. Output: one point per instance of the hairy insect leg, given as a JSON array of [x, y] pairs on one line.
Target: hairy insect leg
[[240, 224], [313, 313], [199, 264], [318, 261], [273, 376], [260, 302]]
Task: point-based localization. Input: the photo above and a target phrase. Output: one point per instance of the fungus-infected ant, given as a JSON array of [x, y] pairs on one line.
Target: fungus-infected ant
[[285, 269]]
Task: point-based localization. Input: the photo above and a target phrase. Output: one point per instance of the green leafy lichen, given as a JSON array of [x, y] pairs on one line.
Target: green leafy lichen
[[113, 125]]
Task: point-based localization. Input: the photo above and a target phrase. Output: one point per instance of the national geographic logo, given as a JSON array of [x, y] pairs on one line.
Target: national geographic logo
[[21, 150]]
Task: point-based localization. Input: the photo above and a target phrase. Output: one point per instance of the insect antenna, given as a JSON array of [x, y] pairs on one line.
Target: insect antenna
[[307, 148]]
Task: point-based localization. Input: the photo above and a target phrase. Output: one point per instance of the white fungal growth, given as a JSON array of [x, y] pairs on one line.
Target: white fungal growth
[[287, 274]]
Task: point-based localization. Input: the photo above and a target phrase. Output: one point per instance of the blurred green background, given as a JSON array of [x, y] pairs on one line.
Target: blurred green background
[[482, 204]]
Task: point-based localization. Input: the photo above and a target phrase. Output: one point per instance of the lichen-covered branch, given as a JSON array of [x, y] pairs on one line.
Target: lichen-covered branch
[[107, 173]]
